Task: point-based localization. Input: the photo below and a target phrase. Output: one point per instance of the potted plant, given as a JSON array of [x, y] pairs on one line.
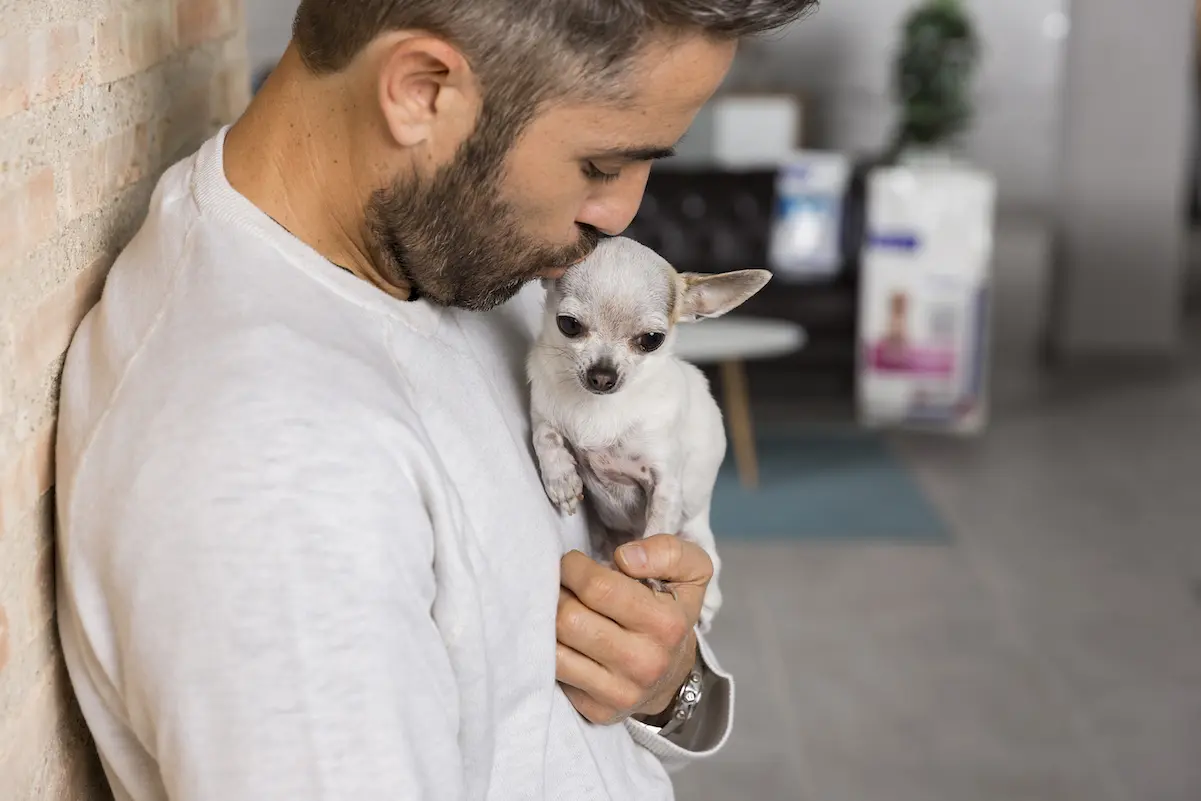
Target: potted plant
[[932, 80]]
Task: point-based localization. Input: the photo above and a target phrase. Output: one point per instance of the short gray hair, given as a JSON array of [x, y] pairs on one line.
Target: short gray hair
[[527, 52]]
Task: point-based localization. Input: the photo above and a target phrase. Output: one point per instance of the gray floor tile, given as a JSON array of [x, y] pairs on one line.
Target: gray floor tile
[[916, 690], [1151, 738], [763, 729], [728, 780]]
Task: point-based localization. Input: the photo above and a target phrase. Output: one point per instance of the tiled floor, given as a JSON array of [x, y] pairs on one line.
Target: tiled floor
[[1051, 652]]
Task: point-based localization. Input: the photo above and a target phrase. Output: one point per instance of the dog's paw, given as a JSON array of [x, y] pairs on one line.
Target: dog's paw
[[661, 587], [565, 490]]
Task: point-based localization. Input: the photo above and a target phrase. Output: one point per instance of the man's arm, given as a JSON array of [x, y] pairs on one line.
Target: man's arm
[[281, 643]]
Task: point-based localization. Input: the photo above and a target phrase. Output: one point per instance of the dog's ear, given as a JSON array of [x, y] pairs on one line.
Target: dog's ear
[[706, 296]]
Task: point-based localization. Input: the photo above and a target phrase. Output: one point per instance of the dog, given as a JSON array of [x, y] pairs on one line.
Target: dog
[[616, 417]]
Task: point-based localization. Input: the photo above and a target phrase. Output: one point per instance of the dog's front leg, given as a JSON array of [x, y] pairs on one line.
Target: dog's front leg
[[663, 513], [697, 530], [666, 505], [560, 475]]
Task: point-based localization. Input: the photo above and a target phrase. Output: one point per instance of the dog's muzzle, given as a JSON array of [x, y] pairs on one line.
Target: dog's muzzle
[[601, 379]]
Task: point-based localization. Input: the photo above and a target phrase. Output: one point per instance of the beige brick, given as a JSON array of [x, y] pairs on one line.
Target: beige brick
[[132, 41], [3, 640], [14, 74], [104, 169], [199, 21], [83, 776], [26, 563], [39, 609], [28, 478], [43, 65], [29, 214], [231, 93], [60, 58], [32, 643], [44, 336], [72, 770], [31, 733]]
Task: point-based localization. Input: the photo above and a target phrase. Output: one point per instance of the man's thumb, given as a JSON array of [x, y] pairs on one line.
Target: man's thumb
[[666, 557]]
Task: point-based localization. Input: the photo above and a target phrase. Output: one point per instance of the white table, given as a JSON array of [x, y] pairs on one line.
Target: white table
[[730, 342]]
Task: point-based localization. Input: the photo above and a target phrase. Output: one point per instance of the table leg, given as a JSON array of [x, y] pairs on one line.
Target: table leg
[[738, 413]]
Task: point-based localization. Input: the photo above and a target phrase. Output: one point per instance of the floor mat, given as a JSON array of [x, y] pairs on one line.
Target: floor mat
[[828, 483]]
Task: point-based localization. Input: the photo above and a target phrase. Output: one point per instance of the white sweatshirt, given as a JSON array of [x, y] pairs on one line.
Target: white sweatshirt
[[304, 549]]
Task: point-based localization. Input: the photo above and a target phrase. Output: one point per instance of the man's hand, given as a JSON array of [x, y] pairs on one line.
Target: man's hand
[[623, 648]]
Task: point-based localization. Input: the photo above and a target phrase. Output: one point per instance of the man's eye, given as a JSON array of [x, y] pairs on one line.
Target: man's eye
[[649, 343], [569, 327], [594, 173]]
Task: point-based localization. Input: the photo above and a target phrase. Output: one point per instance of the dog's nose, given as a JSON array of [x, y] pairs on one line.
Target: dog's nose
[[602, 379]]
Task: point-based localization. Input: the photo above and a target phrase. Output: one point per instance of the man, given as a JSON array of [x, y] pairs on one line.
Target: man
[[305, 553]]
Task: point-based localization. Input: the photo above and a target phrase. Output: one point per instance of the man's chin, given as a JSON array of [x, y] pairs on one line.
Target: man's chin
[[487, 301]]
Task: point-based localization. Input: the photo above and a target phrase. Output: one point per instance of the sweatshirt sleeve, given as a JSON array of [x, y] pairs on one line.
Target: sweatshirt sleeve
[[710, 726], [283, 644]]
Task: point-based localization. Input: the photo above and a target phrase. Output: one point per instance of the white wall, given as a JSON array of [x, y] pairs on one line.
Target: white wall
[[840, 59], [1122, 224]]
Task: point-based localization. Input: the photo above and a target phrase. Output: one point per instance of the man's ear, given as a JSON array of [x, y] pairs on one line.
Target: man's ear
[[425, 86], [708, 296]]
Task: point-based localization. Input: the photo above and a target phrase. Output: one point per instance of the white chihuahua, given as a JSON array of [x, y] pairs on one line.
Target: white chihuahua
[[615, 414]]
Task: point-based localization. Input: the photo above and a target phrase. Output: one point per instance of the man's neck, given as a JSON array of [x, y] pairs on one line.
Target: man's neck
[[292, 155]]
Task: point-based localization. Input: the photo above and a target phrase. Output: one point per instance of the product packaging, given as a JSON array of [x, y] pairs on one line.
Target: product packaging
[[924, 298], [806, 237]]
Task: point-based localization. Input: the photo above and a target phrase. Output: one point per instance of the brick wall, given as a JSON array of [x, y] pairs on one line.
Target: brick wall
[[97, 98]]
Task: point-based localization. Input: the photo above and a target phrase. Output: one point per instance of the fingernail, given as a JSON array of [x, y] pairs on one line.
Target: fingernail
[[634, 555]]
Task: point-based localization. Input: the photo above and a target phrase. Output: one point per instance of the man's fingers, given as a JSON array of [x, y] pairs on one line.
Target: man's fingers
[[612, 594], [614, 649], [668, 558], [590, 708], [591, 633], [607, 690]]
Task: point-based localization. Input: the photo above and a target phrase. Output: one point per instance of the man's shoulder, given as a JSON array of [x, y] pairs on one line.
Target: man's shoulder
[[255, 387], [215, 405]]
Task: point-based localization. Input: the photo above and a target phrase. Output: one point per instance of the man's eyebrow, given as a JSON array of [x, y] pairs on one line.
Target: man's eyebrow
[[636, 153]]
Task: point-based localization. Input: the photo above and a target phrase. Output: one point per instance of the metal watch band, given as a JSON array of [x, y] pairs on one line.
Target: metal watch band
[[687, 700]]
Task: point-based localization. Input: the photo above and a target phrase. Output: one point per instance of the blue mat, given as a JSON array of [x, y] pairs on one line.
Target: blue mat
[[826, 484]]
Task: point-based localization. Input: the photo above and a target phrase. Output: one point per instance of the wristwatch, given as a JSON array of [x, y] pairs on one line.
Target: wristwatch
[[685, 703]]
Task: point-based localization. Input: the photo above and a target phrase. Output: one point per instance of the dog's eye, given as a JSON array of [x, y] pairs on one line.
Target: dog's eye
[[651, 342], [570, 327]]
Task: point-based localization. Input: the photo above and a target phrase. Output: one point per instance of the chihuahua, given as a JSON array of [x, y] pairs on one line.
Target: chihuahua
[[616, 417]]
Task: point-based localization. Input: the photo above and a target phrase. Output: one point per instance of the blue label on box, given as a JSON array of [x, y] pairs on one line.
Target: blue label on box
[[896, 241]]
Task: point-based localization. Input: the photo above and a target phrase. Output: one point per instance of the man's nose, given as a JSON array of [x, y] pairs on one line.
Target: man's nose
[[612, 207], [602, 378]]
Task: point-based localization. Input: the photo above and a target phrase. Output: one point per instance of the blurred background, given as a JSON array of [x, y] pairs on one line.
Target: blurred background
[[961, 514]]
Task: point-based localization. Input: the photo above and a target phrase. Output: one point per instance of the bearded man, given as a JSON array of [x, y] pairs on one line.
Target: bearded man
[[304, 549]]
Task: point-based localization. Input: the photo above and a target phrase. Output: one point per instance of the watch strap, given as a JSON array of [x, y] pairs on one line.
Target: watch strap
[[686, 701]]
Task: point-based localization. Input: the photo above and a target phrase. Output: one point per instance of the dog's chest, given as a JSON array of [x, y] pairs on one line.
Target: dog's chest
[[619, 479], [619, 465]]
